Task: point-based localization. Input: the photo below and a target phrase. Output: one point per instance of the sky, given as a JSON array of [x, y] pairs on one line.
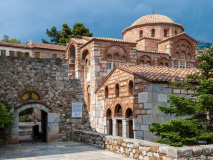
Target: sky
[[28, 19]]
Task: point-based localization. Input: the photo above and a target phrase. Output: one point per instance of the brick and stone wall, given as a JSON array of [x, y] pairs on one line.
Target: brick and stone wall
[[48, 78], [143, 150]]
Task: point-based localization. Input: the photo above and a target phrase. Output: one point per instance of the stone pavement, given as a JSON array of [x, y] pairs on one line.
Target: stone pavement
[[57, 151]]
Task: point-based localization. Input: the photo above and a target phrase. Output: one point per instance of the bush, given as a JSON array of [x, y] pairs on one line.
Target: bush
[[6, 120]]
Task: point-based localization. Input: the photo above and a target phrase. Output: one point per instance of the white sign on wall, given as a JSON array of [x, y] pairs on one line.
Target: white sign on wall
[[77, 109]]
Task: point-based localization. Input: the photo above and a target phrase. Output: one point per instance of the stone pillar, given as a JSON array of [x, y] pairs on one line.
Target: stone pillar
[[15, 130], [52, 127], [124, 127], [134, 124], [114, 124]]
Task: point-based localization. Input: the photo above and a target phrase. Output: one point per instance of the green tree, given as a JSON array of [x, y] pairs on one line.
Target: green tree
[[6, 120], [54, 36], [65, 35], [80, 30], [62, 37], [6, 38], [198, 126]]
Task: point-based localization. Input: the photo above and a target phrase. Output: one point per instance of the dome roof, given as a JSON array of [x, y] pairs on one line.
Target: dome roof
[[153, 18]]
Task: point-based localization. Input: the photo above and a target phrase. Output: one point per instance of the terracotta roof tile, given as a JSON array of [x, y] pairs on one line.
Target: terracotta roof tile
[[47, 46], [151, 51], [153, 18], [154, 74], [14, 45]]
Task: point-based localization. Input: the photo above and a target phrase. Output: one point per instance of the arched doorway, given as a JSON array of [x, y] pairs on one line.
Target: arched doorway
[[50, 123], [129, 115], [109, 120], [118, 115]]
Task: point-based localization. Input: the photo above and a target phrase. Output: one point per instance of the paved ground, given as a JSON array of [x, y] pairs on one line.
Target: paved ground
[[57, 151]]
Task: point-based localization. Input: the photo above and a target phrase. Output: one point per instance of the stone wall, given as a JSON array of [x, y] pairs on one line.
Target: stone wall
[[48, 78], [144, 150]]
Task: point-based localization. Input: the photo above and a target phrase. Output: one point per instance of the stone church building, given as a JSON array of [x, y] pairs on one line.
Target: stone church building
[[152, 40]]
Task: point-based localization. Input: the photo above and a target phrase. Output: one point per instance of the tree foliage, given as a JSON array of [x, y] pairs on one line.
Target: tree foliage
[[62, 37], [198, 126], [54, 36], [28, 111], [6, 120], [6, 38]]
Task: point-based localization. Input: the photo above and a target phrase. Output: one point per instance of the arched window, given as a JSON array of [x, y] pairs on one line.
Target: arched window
[[106, 92], [177, 47], [116, 59], [130, 88], [161, 63], [148, 63], [109, 61], [182, 55], [166, 64], [183, 47], [123, 59], [109, 113], [175, 32], [116, 90], [141, 34], [165, 32], [188, 48], [188, 57], [177, 55], [153, 32], [141, 62], [72, 54], [118, 110]]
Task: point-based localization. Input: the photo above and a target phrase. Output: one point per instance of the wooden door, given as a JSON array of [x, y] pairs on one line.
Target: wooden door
[[120, 128], [110, 126], [131, 134]]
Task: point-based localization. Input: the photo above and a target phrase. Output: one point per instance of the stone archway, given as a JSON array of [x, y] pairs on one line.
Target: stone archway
[[52, 132]]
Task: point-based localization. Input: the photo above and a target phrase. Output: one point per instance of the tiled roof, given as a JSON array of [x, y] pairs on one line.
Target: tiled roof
[[34, 45], [154, 74], [153, 18], [7, 44], [46, 46], [79, 40], [183, 33], [107, 39]]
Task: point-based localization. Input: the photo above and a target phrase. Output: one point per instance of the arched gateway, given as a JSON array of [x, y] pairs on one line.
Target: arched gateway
[[50, 126]]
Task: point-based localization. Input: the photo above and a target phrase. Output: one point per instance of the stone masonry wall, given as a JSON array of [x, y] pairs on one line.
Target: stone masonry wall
[[48, 78], [144, 150]]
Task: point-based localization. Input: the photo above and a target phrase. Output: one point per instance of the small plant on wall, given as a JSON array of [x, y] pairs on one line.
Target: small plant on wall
[[197, 128], [6, 121]]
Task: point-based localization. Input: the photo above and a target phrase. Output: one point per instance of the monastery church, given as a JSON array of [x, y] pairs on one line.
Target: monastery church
[[110, 86], [123, 81]]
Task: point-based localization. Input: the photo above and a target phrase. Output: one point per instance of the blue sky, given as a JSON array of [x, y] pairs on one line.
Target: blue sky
[[29, 19]]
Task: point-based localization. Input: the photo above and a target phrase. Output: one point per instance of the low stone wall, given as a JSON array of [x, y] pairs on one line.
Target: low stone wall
[[144, 150]]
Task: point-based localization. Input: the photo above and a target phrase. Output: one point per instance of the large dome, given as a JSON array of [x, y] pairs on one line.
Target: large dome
[[153, 18]]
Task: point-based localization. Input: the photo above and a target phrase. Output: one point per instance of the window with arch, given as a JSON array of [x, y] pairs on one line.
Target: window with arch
[[165, 32], [148, 63], [166, 64], [141, 62], [177, 47], [116, 90], [183, 47], [161, 63], [116, 59], [118, 110], [106, 92], [175, 32], [109, 61], [88, 98], [188, 48], [188, 57], [153, 32], [182, 59], [123, 59], [130, 87], [141, 34], [72, 54]]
